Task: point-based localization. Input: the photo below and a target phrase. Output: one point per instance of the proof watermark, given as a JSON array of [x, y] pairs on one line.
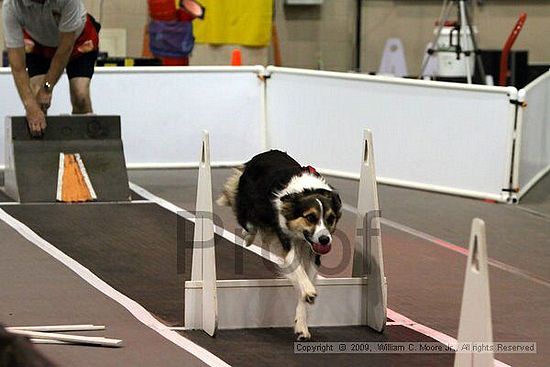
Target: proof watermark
[[367, 233], [413, 347]]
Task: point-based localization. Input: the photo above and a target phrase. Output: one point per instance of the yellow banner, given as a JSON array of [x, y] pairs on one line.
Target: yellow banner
[[240, 22]]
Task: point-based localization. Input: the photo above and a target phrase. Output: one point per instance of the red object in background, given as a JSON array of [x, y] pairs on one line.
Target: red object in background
[[175, 61], [162, 9], [236, 58], [166, 10], [503, 76], [87, 41]]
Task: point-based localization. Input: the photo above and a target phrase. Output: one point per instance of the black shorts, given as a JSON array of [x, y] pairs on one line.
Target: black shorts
[[82, 66]]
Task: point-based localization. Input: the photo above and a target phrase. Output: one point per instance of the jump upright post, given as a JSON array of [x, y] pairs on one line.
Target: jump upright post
[[204, 254], [476, 324], [368, 259]]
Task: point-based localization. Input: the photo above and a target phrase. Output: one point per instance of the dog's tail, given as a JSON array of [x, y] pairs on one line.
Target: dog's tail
[[230, 188]]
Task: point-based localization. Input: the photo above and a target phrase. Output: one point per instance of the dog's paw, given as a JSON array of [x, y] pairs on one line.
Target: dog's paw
[[248, 237], [303, 337], [301, 331], [310, 296]]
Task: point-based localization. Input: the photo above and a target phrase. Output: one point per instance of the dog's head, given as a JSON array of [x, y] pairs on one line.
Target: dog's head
[[312, 215]]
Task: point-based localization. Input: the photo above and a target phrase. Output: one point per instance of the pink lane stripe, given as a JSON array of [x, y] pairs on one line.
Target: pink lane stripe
[[442, 243], [434, 334], [497, 264]]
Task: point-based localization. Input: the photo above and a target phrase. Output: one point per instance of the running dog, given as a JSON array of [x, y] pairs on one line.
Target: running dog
[[294, 210]]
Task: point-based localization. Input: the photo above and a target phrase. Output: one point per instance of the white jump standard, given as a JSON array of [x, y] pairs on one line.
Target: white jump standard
[[476, 324], [257, 303]]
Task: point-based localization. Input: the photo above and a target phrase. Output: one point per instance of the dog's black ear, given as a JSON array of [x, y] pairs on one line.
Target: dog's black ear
[[336, 201], [288, 198]]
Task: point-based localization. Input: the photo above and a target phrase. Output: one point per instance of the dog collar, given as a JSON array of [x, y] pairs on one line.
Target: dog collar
[[311, 170]]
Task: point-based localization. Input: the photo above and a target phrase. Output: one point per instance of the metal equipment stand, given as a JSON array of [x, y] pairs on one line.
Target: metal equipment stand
[[464, 22]]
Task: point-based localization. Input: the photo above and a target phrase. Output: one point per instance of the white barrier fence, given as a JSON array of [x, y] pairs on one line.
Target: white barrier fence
[[534, 121], [163, 111], [444, 137]]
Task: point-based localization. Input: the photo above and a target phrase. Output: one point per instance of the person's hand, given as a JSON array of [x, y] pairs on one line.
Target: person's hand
[[36, 119], [44, 99]]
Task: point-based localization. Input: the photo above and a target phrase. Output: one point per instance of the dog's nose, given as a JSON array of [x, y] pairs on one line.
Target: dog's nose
[[324, 240]]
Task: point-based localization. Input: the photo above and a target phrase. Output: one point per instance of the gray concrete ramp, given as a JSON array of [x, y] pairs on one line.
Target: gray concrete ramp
[[32, 164]]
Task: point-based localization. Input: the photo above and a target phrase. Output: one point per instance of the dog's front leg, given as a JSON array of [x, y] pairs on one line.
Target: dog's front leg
[[295, 271], [300, 322]]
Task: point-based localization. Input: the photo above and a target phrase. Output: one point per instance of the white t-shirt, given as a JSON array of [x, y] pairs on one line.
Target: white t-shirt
[[42, 22]]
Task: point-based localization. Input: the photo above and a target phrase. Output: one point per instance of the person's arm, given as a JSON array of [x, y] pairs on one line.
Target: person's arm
[[58, 64], [35, 116], [13, 37]]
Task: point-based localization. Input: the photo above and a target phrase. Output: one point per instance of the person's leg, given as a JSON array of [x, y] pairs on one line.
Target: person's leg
[[80, 72], [80, 95]]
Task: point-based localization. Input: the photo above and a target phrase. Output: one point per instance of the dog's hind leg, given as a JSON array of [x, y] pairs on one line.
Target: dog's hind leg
[[249, 234], [230, 189]]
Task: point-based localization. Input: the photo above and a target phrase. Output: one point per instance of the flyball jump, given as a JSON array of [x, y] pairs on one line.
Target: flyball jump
[[79, 158]]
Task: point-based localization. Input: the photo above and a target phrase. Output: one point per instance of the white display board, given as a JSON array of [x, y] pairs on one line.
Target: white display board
[[534, 160], [164, 110], [438, 136]]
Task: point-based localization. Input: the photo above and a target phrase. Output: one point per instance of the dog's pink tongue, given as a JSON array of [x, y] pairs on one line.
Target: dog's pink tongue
[[321, 249]]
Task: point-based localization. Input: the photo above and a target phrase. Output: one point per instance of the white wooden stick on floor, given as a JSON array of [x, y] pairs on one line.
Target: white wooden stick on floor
[[74, 339], [48, 341], [59, 328]]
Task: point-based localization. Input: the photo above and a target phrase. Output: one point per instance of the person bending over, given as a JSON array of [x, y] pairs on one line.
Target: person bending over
[[44, 37]]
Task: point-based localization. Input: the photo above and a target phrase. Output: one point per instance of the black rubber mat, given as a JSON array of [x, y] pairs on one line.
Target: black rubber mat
[[275, 347], [5, 198], [134, 248]]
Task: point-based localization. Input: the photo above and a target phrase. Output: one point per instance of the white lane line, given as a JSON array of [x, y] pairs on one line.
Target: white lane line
[[132, 306], [220, 231], [533, 212], [397, 318], [434, 334], [460, 250]]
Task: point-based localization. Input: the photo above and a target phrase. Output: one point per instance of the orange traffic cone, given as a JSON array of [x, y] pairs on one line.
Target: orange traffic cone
[[73, 183], [236, 58]]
